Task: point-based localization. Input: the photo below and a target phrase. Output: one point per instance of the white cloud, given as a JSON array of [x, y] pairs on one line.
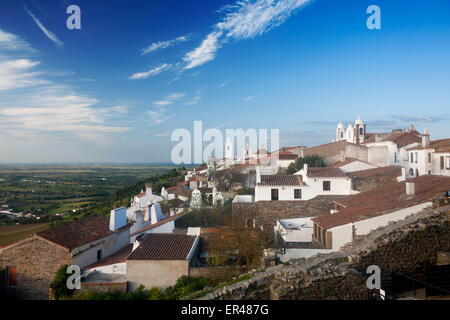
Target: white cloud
[[249, 98], [246, 19], [47, 32], [224, 83], [164, 44], [194, 101], [40, 108], [204, 53], [9, 41], [158, 116], [16, 74], [171, 98], [151, 72]]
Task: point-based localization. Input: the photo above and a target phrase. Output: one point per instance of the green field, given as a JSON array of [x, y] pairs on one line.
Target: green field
[[47, 190], [13, 233]]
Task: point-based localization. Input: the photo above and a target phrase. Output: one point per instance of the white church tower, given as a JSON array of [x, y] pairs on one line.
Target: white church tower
[[353, 134]]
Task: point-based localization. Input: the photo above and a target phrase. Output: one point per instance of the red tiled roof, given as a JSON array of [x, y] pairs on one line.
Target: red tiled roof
[[157, 224], [79, 232], [326, 172], [119, 256], [442, 145], [287, 156], [382, 171], [385, 199], [404, 138], [281, 180], [163, 246]]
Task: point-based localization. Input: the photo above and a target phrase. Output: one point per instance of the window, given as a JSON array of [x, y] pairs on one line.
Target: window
[[442, 163], [326, 186], [297, 193], [99, 254], [411, 157], [12, 276], [411, 172], [448, 163], [361, 131], [274, 194], [417, 157], [429, 157]]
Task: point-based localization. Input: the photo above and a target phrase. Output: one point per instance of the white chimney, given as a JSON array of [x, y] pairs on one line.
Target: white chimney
[[156, 213], [148, 189], [305, 169], [410, 188], [118, 218], [425, 139], [258, 175]]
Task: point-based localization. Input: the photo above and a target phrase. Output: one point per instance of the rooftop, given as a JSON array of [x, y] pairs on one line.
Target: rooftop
[[345, 162], [119, 256], [385, 199], [326, 172], [442, 145], [157, 224], [163, 246], [281, 180], [79, 232]]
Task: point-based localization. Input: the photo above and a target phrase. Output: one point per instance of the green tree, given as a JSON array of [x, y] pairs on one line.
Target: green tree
[[312, 161], [59, 284]]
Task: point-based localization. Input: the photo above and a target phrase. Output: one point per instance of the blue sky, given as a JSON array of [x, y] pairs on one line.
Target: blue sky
[[137, 70]]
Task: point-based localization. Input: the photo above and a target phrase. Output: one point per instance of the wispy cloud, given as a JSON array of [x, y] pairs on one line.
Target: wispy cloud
[[426, 119], [41, 107], [223, 84], [15, 74], [158, 116], [164, 44], [47, 32], [249, 98], [151, 72], [9, 41], [194, 101], [171, 98], [246, 19]]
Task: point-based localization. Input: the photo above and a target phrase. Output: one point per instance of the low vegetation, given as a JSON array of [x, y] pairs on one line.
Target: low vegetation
[[312, 161]]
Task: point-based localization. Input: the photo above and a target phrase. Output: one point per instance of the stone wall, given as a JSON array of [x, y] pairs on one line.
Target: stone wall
[[338, 151], [373, 178], [217, 273], [37, 262], [408, 247]]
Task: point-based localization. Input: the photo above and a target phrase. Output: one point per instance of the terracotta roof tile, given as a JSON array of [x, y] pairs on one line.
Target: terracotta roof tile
[[382, 171], [326, 172], [163, 246], [404, 138], [119, 256], [79, 232], [281, 180], [384, 199], [442, 145]]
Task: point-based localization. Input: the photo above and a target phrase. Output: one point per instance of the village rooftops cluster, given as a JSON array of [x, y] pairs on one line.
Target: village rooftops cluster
[[383, 200]]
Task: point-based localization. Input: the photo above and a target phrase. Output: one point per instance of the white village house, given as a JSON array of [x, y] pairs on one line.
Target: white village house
[[305, 184]]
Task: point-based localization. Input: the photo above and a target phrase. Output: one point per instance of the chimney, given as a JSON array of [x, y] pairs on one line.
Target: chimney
[[425, 139], [118, 218], [258, 175], [156, 213], [305, 169], [410, 188], [148, 189]]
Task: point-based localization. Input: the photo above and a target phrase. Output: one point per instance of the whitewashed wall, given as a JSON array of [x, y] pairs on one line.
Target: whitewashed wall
[[341, 235]]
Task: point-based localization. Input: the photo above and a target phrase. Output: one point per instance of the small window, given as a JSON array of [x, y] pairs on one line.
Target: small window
[[297, 193], [429, 157], [411, 172], [274, 194], [448, 163], [411, 157], [442, 163], [326, 186], [417, 157], [361, 131], [12, 276], [99, 254]]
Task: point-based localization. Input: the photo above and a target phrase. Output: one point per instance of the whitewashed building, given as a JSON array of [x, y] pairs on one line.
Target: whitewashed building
[[305, 184], [362, 213], [431, 157]]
